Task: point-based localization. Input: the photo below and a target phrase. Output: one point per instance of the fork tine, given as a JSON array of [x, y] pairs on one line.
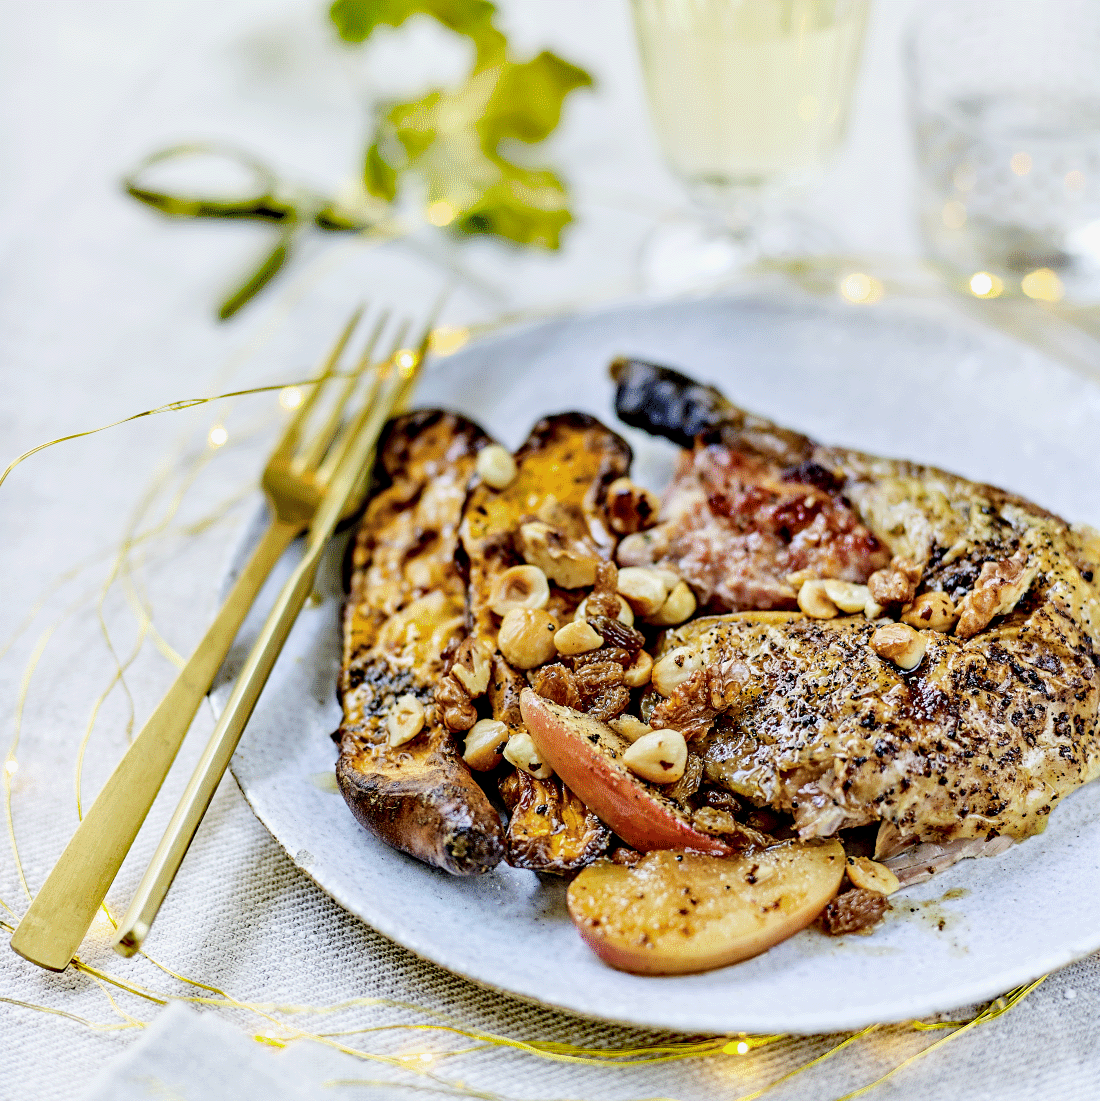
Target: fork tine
[[412, 371], [321, 441], [289, 439], [355, 426], [409, 373]]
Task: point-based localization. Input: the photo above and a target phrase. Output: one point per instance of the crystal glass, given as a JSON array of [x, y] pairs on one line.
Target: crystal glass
[[749, 99], [1006, 114]]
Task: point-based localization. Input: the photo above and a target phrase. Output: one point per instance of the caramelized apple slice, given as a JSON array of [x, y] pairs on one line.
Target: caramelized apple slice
[[673, 913], [587, 755]]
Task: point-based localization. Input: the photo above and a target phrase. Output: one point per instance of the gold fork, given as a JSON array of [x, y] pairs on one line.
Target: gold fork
[[294, 481], [388, 392]]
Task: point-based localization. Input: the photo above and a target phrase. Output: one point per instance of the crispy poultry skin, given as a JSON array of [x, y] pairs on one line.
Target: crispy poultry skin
[[406, 606], [996, 724], [749, 504]]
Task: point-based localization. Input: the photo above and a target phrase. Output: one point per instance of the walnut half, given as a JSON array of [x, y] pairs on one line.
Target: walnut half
[[998, 590]]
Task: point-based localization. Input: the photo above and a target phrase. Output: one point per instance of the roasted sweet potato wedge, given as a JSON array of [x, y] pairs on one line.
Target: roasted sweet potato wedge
[[399, 770], [552, 514], [550, 829]]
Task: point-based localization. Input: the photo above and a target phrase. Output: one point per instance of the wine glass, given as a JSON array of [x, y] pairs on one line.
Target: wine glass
[[749, 99], [1006, 114]]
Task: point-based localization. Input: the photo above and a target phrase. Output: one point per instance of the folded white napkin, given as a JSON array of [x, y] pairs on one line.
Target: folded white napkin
[[190, 1056]]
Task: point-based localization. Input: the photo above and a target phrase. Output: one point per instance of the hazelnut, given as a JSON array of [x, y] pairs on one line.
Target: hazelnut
[[899, 643], [679, 607], [639, 672], [526, 637], [521, 752], [577, 637], [675, 668], [814, 600], [630, 727], [849, 598], [495, 466], [630, 508], [935, 611], [485, 742], [799, 578], [519, 587], [645, 590], [626, 615], [642, 548], [659, 756]]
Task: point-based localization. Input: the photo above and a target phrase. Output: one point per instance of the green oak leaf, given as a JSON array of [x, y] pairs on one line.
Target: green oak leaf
[[527, 100], [356, 19], [452, 141]]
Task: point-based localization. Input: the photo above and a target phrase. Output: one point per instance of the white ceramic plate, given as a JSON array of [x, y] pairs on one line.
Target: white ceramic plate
[[884, 380]]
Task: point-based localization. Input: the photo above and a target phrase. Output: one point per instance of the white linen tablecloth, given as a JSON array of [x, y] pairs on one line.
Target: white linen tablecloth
[[106, 310]]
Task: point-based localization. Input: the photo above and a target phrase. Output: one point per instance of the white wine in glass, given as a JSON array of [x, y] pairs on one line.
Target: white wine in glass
[[748, 97]]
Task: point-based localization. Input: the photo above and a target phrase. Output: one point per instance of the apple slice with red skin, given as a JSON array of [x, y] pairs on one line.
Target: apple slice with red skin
[[676, 913], [587, 755]]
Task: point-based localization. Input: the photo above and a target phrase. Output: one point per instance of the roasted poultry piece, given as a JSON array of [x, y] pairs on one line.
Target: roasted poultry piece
[[957, 700], [399, 769], [750, 503]]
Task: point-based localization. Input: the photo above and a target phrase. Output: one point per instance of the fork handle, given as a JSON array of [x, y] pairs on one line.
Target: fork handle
[[62, 911], [211, 766]]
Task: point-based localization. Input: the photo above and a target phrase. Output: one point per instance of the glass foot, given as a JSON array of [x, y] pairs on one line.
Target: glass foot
[[692, 253]]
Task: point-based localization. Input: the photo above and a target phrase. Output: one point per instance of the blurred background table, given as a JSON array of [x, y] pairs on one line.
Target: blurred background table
[[107, 309]]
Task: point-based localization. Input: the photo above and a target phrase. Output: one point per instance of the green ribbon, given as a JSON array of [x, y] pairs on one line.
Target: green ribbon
[[292, 210]]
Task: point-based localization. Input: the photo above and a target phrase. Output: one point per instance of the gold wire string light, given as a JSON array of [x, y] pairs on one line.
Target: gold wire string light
[[419, 1060]]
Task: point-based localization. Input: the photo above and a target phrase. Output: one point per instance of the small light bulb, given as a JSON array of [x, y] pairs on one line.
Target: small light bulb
[[984, 284], [406, 361], [218, 436], [290, 397], [1042, 284], [11, 766], [737, 1047], [1021, 163], [441, 213], [860, 288], [447, 339]]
